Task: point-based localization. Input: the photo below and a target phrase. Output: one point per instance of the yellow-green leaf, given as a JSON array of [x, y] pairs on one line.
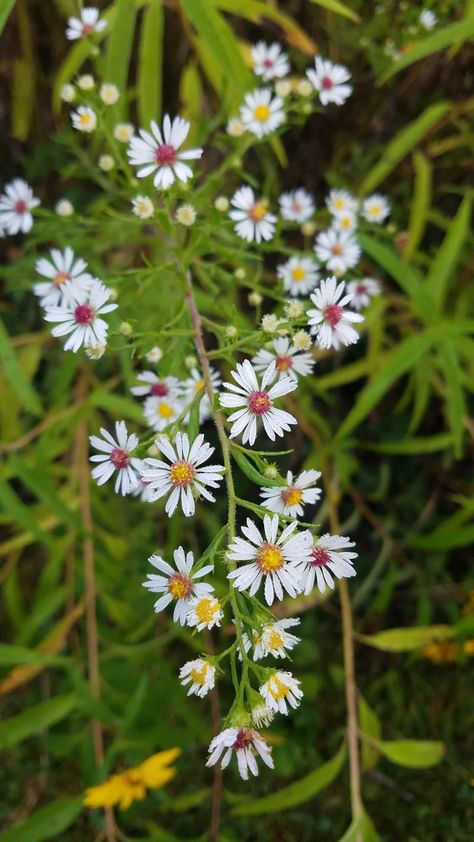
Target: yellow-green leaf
[[260, 12], [369, 724], [407, 639], [420, 204], [34, 719], [46, 823], [150, 61], [447, 257], [338, 9], [448, 36], [414, 754]]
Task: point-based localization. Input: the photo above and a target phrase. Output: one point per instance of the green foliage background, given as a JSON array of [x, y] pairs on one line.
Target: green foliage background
[[391, 417]]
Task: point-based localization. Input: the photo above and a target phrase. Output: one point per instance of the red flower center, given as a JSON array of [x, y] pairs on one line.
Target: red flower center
[[159, 389], [21, 206], [83, 314], [243, 739], [165, 154], [268, 63], [326, 83], [333, 314], [361, 288], [259, 402], [283, 363], [319, 557], [119, 457]]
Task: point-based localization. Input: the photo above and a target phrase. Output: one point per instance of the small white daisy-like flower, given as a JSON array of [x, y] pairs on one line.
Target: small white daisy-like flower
[[88, 23], [340, 202], [61, 267], [289, 362], [281, 690], [330, 321], [16, 203], [299, 275], [158, 152], [294, 309], [261, 112], [177, 583], [302, 340], [64, 207], [86, 82], [345, 222], [142, 206], [68, 93], [195, 385], [253, 402], [296, 205], [283, 87], [362, 292], [80, 315], [428, 19], [271, 323], [184, 474], [330, 80], [205, 612], [154, 355], [95, 352], [221, 203], [289, 499], [272, 639], [84, 119], [338, 250], [234, 127], [304, 88], [116, 455], [247, 744], [269, 61], [186, 215], [106, 163], [157, 387], [109, 93], [261, 715], [251, 215], [160, 412], [200, 675], [375, 208], [123, 132], [272, 558], [329, 556]]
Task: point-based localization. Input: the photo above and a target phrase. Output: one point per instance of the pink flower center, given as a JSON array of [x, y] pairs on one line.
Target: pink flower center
[[159, 389], [243, 739], [83, 314], [21, 206], [259, 402], [87, 28], [119, 457], [268, 63], [319, 557], [361, 288], [283, 363], [326, 83], [337, 249], [296, 207], [165, 154], [333, 314]]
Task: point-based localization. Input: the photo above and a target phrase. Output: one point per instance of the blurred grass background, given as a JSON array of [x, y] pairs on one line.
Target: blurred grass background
[[391, 420]]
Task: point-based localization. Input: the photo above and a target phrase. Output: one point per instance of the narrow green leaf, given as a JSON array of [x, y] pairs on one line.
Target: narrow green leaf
[[338, 9], [46, 823], [259, 12], [448, 36], [119, 47], [447, 257], [414, 754], [150, 59], [369, 724], [296, 793], [407, 639], [420, 204], [455, 403], [361, 830], [15, 375], [35, 479], [11, 655], [403, 143], [411, 446], [6, 8], [117, 405], [35, 719], [251, 471], [19, 513]]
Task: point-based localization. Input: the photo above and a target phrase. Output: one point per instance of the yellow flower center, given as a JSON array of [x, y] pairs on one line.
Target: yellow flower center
[[345, 222], [270, 558], [199, 675], [182, 473], [165, 410], [277, 689], [374, 210], [292, 496], [339, 203], [206, 610], [85, 119], [275, 639], [180, 586], [337, 249], [60, 278], [298, 274], [199, 386], [258, 211], [262, 113]]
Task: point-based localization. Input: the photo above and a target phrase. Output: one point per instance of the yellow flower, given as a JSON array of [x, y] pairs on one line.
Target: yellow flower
[[132, 784]]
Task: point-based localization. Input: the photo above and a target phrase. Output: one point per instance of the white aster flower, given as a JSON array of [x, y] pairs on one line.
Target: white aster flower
[[289, 362], [246, 743], [186, 215], [184, 474], [84, 119], [154, 355], [428, 19], [158, 152], [160, 412], [80, 315], [116, 455], [271, 323], [305, 88], [253, 401], [272, 559], [281, 690], [95, 352], [345, 222], [272, 639], [61, 267], [86, 82], [299, 275], [109, 93], [205, 612], [68, 93], [269, 61], [123, 132], [362, 292], [296, 205], [143, 207], [294, 310], [194, 385], [200, 674], [329, 556], [330, 321], [340, 202], [375, 208], [178, 583], [16, 203], [330, 80], [302, 340], [261, 715], [158, 387], [64, 207], [338, 250], [88, 23], [251, 215], [261, 112], [289, 499]]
